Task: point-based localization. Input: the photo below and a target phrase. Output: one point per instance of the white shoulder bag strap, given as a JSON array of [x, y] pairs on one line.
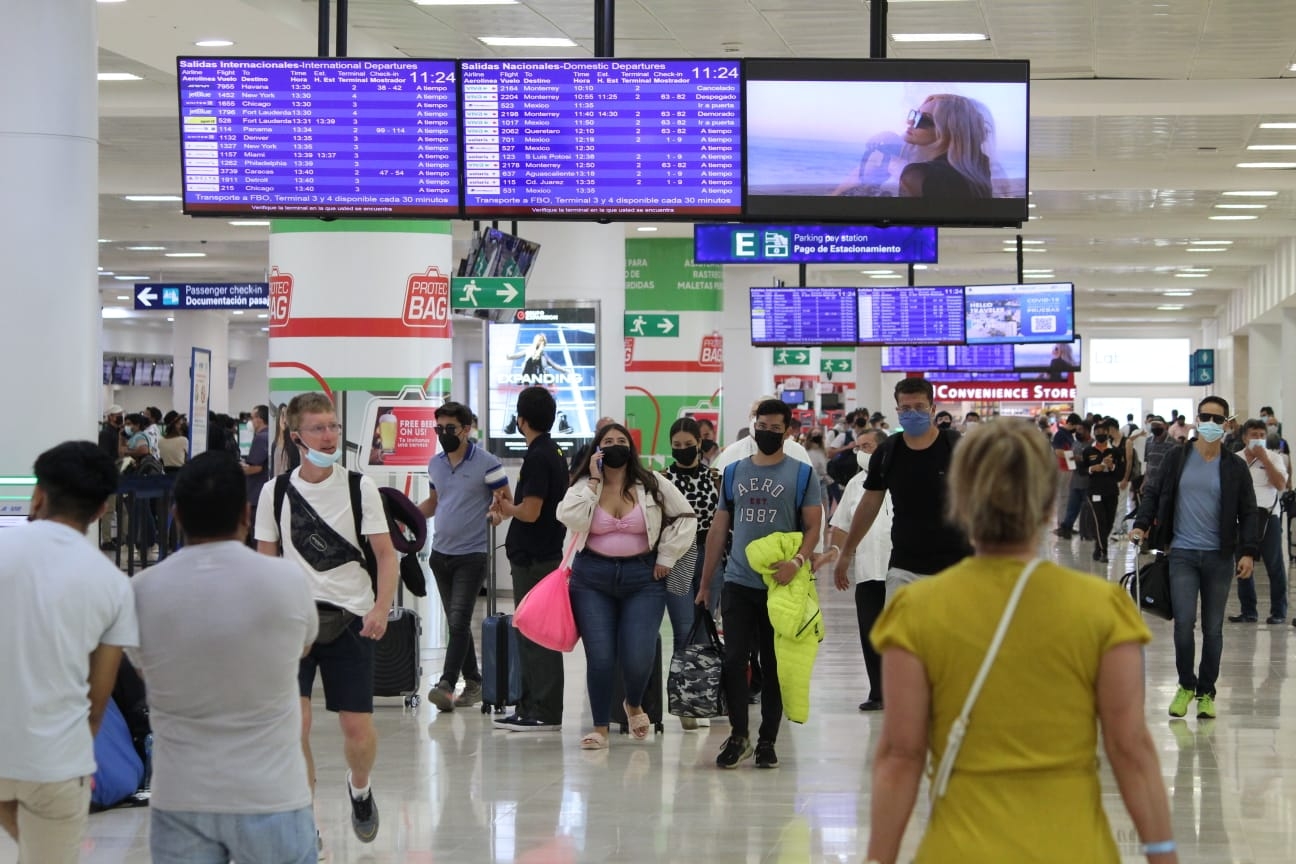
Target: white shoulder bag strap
[[959, 729]]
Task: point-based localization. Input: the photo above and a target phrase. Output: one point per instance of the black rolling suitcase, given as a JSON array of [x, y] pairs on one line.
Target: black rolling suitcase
[[398, 662], [500, 665], [653, 699]]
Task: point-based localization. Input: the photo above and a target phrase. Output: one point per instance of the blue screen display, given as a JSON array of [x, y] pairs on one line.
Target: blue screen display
[[911, 316], [614, 137], [1008, 314], [803, 316], [915, 358], [331, 136], [813, 244]]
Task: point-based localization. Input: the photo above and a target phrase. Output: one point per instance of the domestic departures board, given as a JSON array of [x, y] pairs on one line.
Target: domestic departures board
[[660, 138], [309, 135]]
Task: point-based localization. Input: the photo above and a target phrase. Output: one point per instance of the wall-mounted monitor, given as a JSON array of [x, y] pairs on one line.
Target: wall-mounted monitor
[[572, 138], [911, 315], [107, 371], [731, 243], [318, 136], [1040, 360], [866, 140], [1058, 359], [830, 401], [796, 317], [915, 358], [123, 373], [793, 397], [1011, 314], [143, 373], [162, 373]]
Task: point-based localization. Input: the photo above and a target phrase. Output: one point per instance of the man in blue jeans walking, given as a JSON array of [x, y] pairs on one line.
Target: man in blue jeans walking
[[1269, 477], [1204, 507]]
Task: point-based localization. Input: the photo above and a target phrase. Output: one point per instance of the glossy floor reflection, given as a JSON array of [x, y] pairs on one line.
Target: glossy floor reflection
[[450, 788]]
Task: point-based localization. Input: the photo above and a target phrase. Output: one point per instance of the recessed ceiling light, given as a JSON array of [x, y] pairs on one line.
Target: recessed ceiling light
[[103, 272], [249, 223], [123, 296], [527, 41], [170, 318], [1251, 193], [213, 43], [1177, 293], [1012, 250], [1211, 242], [147, 198], [238, 312], [1233, 218], [1271, 146], [131, 278], [111, 1], [185, 255], [146, 248], [1207, 249], [265, 329], [647, 228], [1013, 242], [1266, 165], [1170, 307], [1278, 125], [920, 266], [1241, 206], [102, 240], [1190, 275], [118, 76], [113, 312], [1292, 68], [886, 276], [1197, 269], [465, 2], [263, 314], [878, 272], [939, 37]]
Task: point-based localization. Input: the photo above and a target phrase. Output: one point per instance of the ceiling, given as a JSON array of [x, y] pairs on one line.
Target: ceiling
[[1140, 112]]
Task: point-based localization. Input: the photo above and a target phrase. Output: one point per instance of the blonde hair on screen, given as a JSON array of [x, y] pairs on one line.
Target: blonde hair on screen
[[1003, 481]]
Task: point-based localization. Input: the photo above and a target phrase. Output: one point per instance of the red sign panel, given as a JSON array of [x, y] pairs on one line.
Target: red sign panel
[[403, 435], [629, 351], [427, 303], [712, 354], [281, 285], [1013, 391]]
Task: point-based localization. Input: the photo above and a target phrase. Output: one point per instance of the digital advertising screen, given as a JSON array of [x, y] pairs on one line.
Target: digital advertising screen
[[936, 142], [813, 244], [555, 138], [1009, 314], [555, 348], [801, 317], [911, 315], [1057, 359], [318, 136]]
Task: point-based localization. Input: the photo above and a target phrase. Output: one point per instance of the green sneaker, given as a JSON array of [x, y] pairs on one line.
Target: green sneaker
[[1179, 707], [1205, 707]]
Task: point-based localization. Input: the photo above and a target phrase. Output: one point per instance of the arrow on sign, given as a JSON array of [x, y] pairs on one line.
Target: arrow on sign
[[843, 365], [146, 295], [665, 325], [800, 357], [508, 293]]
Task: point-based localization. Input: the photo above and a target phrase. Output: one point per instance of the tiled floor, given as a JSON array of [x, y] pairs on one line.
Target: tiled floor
[[452, 789]]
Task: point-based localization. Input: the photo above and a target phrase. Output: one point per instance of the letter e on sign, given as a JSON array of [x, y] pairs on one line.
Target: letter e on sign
[[427, 303], [281, 285], [712, 354]]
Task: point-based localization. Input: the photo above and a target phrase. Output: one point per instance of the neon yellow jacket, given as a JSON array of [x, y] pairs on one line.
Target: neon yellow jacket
[[795, 615]]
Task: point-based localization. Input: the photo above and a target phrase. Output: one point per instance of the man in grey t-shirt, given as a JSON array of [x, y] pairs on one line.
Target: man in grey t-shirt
[[221, 632], [761, 494]]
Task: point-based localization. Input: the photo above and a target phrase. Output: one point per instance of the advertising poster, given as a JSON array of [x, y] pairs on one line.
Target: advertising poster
[[555, 348], [398, 433], [199, 399]]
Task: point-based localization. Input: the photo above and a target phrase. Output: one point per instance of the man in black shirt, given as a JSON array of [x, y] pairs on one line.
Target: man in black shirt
[[113, 445], [912, 467], [1105, 465], [534, 549]]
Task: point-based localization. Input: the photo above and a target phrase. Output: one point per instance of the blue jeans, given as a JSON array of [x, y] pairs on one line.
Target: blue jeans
[[1194, 572], [681, 608], [1075, 500], [177, 837], [618, 608], [1271, 552], [459, 579]]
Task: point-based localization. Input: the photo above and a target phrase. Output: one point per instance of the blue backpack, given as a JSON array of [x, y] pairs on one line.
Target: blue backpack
[[119, 771]]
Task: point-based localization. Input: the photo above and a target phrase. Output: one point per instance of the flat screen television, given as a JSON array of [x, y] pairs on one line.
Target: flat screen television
[[794, 397], [495, 253], [603, 137], [801, 317], [915, 358], [911, 315], [860, 140], [830, 401], [162, 373], [143, 373], [318, 136], [124, 372], [107, 371], [1012, 314]]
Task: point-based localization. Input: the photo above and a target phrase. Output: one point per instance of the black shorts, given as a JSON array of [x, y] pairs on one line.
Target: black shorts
[[347, 666]]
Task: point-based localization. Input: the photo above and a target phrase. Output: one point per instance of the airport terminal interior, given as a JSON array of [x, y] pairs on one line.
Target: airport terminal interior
[[1143, 197]]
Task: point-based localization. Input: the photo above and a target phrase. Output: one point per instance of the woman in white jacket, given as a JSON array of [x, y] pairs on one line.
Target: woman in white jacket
[[635, 526]]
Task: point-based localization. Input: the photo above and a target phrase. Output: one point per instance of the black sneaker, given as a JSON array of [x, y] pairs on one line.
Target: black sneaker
[[734, 751], [364, 816], [1243, 619], [765, 755], [871, 705], [528, 724]]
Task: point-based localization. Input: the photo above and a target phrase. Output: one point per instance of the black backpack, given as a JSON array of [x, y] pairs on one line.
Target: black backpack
[[845, 465]]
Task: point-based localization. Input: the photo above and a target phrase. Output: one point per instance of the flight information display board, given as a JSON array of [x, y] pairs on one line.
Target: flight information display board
[[915, 358], [803, 316], [911, 316], [659, 138], [318, 136]]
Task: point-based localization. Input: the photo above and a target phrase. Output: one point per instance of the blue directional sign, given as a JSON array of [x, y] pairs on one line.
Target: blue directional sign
[[202, 295], [731, 243]]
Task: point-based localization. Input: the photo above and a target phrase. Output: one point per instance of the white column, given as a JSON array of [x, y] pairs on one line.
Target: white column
[[868, 388], [1264, 371], [1285, 403], [1241, 363], [208, 330], [50, 328]]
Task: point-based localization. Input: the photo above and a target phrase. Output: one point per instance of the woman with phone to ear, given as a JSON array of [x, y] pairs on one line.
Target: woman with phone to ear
[[634, 525]]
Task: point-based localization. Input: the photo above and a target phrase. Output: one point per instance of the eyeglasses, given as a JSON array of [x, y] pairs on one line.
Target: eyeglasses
[[320, 429], [921, 120], [1211, 418], [447, 430]]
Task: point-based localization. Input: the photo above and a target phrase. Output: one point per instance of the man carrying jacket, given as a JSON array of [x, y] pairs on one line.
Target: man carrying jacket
[[1203, 506]]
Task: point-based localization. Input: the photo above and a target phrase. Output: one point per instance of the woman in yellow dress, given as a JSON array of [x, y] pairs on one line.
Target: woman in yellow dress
[[1024, 785]]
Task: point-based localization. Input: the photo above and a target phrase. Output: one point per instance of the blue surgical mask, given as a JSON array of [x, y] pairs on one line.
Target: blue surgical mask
[[322, 460], [915, 423], [1210, 432]]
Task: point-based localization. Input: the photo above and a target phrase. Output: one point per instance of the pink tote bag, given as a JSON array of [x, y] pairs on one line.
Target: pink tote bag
[[545, 614]]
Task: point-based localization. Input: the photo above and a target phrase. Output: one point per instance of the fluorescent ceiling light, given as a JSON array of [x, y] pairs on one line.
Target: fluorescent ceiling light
[[102, 240], [265, 329], [1266, 165], [170, 318], [213, 43], [1251, 193], [146, 198], [112, 1], [939, 37], [1292, 68], [886, 276], [113, 312], [1271, 146], [185, 255], [1013, 249], [123, 296], [1177, 293], [1210, 242], [1207, 249], [103, 272], [1241, 206], [1233, 218], [527, 41], [1037, 272], [1278, 125], [249, 223], [647, 228], [263, 314], [1190, 275], [1025, 242], [465, 2], [146, 248], [118, 76], [1197, 269], [922, 266], [131, 278], [1170, 307], [878, 272], [238, 312]]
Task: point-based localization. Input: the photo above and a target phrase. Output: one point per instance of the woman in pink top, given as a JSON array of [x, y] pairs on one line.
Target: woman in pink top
[[635, 525]]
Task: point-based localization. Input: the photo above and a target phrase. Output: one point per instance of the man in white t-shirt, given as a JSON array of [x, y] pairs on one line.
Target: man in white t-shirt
[[869, 566], [318, 531], [229, 774], [67, 614]]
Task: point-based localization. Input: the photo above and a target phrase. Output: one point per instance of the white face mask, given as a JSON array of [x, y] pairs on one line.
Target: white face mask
[[1256, 443], [863, 459]]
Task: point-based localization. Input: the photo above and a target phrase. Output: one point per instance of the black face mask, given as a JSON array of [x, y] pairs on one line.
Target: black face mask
[[449, 443], [1102, 439], [767, 441], [943, 424], [685, 455], [708, 445], [1158, 431], [616, 456]]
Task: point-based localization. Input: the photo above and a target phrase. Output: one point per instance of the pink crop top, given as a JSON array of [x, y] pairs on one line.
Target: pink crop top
[[618, 538]]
